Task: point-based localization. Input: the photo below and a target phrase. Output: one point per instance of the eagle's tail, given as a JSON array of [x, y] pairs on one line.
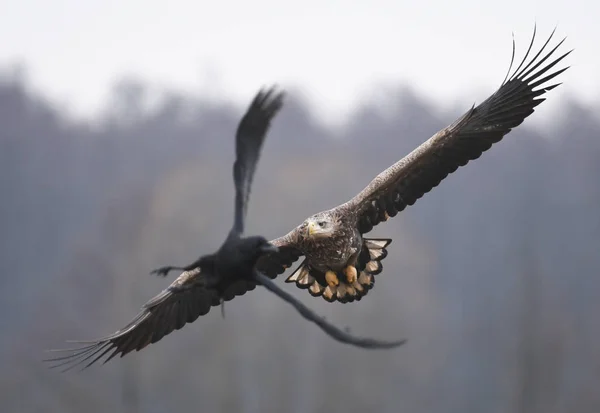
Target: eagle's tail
[[367, 266]]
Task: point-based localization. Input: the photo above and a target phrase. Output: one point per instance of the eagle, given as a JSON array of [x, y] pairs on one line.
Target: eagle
[[213, 278], [339, 261]]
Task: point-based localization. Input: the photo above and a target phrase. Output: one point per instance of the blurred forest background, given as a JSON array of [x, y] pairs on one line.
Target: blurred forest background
[[492, 277]]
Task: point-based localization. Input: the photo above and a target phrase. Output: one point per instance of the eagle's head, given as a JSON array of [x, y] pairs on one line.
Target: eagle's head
[[321, 225]]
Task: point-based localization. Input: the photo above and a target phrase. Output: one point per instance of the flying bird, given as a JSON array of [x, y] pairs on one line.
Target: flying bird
[[213, 278], [339, 261]]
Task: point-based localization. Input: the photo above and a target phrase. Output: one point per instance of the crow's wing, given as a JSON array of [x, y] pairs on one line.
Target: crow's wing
[[330, 329], [191, 295], [250, 136], [464, 140]]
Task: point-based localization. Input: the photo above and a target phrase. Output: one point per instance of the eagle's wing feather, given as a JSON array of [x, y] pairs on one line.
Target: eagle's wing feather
[[274, 264], [454, 146], [191, 295], [250, 136]]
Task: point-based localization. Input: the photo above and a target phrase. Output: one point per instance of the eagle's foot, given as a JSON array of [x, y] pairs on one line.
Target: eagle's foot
[[386, 216], [331, 278], [351, 274]]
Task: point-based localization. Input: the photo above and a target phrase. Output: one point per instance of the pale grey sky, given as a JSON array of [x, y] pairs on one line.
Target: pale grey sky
[[334, 50]]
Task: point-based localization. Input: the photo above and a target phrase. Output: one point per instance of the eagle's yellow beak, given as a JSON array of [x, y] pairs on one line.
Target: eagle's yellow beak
[[311, 228]]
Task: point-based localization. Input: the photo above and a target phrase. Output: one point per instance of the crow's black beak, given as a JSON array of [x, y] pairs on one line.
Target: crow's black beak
[[269, 248]]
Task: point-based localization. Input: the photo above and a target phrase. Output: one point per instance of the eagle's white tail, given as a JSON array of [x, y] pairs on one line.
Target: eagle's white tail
[[367, 266]]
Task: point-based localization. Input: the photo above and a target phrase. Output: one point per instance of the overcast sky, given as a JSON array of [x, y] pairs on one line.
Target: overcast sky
[[336, 52]]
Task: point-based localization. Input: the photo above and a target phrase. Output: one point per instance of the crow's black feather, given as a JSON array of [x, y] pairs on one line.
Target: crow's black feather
[[213, 278]]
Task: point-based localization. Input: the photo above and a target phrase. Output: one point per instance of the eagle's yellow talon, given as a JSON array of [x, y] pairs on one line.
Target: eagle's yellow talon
[[331, 278], [351, 274]]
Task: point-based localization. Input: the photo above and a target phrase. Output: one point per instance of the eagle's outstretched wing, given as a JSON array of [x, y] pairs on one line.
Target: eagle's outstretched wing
[[273, 264], [191, 295], [250, 136], [464, 140]]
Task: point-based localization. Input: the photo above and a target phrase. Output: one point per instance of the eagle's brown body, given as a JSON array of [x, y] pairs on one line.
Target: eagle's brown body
[[333, 253], [343, 246]]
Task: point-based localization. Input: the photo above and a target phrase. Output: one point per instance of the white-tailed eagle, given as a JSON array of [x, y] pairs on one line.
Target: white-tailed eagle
[[339, 261]]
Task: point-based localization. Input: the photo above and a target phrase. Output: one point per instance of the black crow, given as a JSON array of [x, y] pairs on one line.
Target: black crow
[[214, 278]]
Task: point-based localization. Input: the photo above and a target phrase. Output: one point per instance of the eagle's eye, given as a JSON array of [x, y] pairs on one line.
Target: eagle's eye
[[321, 224]]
